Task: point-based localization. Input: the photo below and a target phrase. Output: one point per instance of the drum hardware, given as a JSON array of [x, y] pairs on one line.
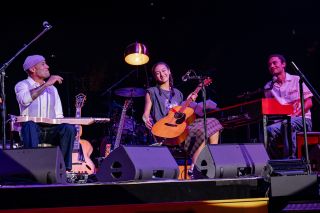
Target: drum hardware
[[132, 132], [130, 92]]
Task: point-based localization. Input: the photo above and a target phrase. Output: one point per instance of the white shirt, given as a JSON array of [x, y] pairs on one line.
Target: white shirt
[[47, 105], [288, 92]]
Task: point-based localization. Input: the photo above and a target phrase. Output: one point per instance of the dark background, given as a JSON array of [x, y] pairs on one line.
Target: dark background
[[227, 40]]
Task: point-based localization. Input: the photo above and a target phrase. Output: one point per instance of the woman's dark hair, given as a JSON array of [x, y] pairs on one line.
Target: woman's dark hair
[[170, 77]]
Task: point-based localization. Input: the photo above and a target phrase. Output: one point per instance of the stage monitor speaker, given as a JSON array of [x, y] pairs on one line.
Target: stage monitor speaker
[[138, 163], [290, 178], [38, 165], [314, 157], [231, 160], [295, 185]]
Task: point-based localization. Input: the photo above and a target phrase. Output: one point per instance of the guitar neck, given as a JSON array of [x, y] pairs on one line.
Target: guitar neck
[[120, 128], [189, 100], [76, 143]]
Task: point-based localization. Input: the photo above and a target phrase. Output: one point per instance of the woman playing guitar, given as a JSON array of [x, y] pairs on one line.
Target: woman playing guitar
[[168, 120]]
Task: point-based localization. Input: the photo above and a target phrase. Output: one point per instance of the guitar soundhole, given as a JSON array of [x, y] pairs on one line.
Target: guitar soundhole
[[178, 115], [181, 117]]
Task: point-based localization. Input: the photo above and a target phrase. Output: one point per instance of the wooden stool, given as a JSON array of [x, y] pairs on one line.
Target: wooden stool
[[312, 138], [183, 160]]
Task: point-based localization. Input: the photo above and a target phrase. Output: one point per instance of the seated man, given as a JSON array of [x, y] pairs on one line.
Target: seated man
[[285, 89], [39, 98]]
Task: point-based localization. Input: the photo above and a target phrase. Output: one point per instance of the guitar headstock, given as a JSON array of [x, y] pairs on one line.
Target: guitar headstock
[[207, 81], [80, 99], [127, 104]]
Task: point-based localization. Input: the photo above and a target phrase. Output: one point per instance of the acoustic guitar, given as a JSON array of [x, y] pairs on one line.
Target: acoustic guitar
[[172, 129], [126, 105], [82, 149]]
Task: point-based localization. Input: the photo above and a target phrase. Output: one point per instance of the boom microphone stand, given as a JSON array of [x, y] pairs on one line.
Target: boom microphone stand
[[204, 97], [47, 27], [302, 80], [109, 90]]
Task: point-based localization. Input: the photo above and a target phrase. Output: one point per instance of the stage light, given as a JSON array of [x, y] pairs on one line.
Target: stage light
[[136, 54]]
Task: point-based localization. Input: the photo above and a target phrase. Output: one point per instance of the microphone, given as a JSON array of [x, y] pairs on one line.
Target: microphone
[[46, 24], [186, 76], [274, 79]]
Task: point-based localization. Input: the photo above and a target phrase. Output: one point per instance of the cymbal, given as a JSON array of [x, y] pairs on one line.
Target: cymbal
[[130, 92]]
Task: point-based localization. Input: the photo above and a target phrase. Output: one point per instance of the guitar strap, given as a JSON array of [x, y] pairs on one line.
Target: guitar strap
[[170, 96], [158, 97]]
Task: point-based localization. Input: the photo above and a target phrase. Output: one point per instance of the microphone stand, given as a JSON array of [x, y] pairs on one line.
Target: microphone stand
[[118, 82], [3, 75], [302, 80], [109, 91], [248, 94], [204, 97]]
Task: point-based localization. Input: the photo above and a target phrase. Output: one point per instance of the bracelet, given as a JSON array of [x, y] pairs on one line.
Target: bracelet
[[144, 119]]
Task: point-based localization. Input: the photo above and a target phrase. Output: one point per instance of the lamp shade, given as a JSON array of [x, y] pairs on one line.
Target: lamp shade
[[136, 54]]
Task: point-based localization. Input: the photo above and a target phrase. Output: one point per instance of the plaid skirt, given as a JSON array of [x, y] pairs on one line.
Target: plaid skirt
[[196, 134]]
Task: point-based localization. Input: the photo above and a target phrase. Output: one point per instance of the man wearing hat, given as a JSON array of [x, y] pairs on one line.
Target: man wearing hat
[[38, 97]]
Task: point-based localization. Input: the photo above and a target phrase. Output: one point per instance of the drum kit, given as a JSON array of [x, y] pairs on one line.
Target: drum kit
[[130, 92], [132, 132]]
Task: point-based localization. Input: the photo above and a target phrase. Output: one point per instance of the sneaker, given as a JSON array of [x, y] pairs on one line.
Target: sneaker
[[190, 173]]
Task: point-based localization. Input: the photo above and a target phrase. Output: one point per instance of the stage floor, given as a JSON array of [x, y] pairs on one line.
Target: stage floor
[[130, 192], [243, 194]]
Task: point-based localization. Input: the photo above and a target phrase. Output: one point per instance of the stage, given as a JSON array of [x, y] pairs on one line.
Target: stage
[[243, 194], [137, 193], [148, 179]]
